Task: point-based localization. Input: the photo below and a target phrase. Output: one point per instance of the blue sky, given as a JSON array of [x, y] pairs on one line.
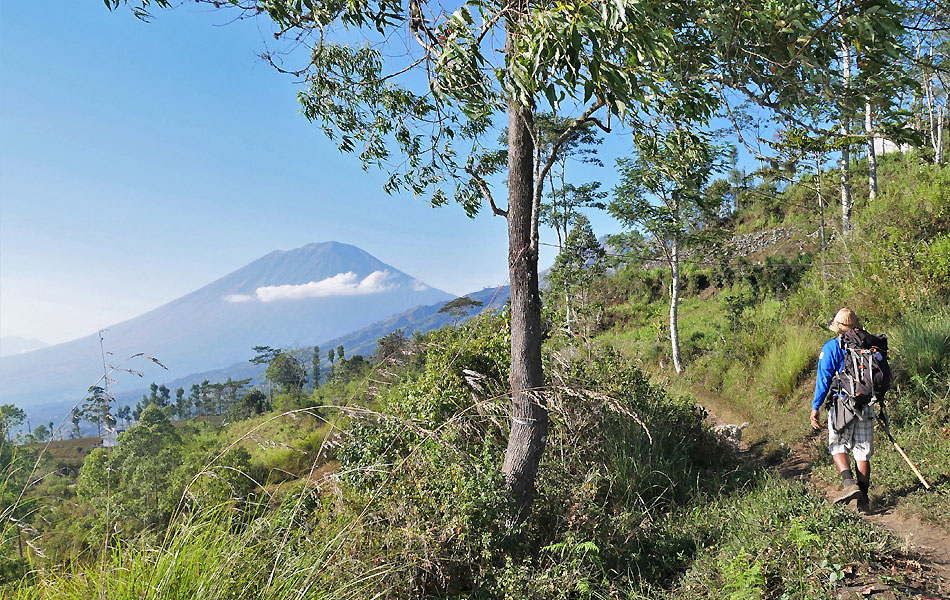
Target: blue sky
[[140, 161]]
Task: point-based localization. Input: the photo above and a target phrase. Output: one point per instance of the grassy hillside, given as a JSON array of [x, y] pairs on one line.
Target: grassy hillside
[[635, 499], [751, 332], [386, 481]]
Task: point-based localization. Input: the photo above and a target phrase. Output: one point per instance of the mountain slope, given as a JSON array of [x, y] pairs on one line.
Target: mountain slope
[[286, 298], [14, 344], [362, 341]]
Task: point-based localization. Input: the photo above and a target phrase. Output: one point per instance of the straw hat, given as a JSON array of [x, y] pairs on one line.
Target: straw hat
[[844, 320]]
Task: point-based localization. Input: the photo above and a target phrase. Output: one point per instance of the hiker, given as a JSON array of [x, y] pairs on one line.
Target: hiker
[[857, 437]]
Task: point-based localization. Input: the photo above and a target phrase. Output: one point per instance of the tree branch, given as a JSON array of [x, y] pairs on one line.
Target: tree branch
[[488, 26], [486, 192], [586, 117], [417, 24]]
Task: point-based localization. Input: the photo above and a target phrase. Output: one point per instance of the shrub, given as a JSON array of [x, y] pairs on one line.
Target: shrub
[[139, 482], [620, 454], [772, 542]]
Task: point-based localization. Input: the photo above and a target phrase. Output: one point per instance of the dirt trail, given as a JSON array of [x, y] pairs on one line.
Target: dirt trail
[[923, 543], [929, 544]]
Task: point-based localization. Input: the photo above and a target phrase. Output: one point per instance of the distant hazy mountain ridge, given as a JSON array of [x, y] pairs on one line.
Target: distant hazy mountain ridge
[[14, 344], [362, 341], [286, 298]]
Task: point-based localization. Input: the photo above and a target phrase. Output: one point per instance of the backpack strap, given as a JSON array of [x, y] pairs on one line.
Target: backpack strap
[[850, 353], [874, 399]]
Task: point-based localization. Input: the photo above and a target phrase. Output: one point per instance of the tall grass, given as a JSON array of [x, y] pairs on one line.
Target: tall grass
[[213, 556], [787, 361], [922, 342]]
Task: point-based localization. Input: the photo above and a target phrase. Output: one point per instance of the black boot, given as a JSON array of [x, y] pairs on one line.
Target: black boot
[[864, 501]]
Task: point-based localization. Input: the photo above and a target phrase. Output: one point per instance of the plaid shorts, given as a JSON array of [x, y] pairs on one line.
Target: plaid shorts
[[858, 438]]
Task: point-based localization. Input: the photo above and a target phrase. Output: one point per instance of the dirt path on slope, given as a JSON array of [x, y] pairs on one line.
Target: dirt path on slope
[[926, 546], [929, 544]]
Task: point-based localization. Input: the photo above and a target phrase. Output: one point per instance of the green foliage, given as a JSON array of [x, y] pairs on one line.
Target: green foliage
[[774, 277], [96, 407], [630, 477], [430, 460], [935, 263], [674, 168], [581, 260], [737, 301], [919, 421], [578, 264], [886, 267], [742, 578], [286, 372], [391, 346], [139, 483], [264, 354], [220, 478], [11, 417], [633, 498], [14, 471], [756, 343], [429, 397], [460, 306], [252, 403], [212, 556], [772, 542], [613, 492], [315, 373]]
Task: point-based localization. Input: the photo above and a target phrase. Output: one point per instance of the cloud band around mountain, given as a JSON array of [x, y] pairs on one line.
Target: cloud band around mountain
[[341, 284]]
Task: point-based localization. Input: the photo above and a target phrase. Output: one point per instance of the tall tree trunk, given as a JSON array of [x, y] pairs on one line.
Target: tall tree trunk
[[845, 162], [567, 316], [563, 220], [938, 155], [916, 102], [535, 199], [872, 157], [821, 203], [932, 108], [529, 418], [674, 306]]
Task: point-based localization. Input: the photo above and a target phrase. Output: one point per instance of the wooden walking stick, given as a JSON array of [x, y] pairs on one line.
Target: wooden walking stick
[[887, 430]]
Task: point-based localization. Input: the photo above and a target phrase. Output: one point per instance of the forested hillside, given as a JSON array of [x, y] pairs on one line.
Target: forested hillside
[[783, 160]]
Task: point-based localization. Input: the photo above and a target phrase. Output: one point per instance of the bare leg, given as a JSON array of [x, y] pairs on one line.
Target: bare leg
[[843, 463]]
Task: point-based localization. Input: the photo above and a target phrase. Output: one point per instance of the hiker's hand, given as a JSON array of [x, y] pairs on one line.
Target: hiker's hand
[[814, 420]]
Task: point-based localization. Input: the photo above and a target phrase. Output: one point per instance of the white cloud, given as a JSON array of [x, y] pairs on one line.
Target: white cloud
[[418, 286], [239, 298], [341, 284]]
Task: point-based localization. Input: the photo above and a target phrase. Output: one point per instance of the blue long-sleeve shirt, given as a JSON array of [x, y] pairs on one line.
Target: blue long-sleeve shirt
[[830, 362]]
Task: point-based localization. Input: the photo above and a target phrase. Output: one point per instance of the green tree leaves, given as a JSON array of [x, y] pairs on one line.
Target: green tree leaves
[[140, 484], [286, 372], [11, 417], [140, 481]]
